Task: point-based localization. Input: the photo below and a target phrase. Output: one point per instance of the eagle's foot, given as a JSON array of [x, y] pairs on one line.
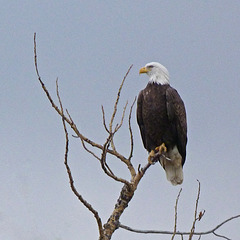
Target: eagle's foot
[[150, 156], [162, 148]]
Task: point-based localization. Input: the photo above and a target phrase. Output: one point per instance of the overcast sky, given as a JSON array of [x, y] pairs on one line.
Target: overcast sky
[[89, 45]]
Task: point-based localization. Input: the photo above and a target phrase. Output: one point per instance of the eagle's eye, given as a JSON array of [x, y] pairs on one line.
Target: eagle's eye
[[150, 66]]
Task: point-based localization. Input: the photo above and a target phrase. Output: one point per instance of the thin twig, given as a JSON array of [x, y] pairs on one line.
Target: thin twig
[[121, 122], [221, 236], [115, 109], [117, 127], [104, 120], [175, 219], [195, 212], [42, 84], [89, 151], [117, 100]]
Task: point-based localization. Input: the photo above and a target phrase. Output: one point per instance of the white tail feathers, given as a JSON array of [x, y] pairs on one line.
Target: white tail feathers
[[174, 174], [172, 165]]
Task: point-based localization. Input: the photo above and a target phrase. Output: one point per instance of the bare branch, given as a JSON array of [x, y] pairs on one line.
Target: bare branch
[[195, 212], [107, 169], [212, 231], [145, 231], [118, 126], [220, 225], [227, 220], [104, 120], [117, 100], [89, 151], [141, 172], [115, 109], [123, 115], [79, 196], [175, 219], [221, 236], [41, 82]]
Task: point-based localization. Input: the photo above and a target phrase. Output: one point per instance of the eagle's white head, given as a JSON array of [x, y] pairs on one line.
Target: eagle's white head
[[157, 73]]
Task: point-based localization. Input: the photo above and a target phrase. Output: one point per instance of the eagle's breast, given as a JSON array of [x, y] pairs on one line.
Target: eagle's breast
[[154, 114]]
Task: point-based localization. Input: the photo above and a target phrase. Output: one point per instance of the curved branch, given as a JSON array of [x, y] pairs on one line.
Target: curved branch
[[107, 170], [43, 86], [104, 120], [71, 181]]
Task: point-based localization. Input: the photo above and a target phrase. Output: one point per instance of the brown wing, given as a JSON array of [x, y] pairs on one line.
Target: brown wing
[[177, 114], [140, 118]]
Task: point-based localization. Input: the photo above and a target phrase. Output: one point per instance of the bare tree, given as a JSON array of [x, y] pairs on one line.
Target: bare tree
[[135, 175]]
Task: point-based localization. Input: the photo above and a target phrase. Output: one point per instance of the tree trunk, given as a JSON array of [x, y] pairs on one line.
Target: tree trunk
[[112, 224]]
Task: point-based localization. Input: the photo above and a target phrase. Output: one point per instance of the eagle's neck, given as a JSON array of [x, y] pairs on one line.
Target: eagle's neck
[[159, 79]]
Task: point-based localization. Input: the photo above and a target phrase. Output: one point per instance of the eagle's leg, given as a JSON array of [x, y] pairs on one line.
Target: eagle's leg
[[162, 148], [150, 156]]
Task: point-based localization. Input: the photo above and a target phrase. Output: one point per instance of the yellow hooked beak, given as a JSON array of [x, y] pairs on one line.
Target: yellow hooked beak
[[143, 70]]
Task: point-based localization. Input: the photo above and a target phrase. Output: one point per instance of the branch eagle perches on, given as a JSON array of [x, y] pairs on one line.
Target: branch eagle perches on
[[108, 147]]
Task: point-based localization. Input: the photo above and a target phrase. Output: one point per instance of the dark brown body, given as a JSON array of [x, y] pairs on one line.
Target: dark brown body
[[161, 118]]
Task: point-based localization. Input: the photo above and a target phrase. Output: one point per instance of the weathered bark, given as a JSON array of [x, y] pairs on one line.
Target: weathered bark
[[125, 197], [112, 224]]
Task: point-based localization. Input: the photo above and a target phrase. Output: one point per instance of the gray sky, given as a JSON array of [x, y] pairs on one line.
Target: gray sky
[[89, 46]]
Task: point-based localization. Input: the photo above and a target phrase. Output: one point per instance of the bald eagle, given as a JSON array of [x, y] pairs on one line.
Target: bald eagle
[[161, 117]]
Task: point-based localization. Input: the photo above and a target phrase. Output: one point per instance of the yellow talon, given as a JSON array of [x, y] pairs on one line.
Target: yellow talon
[[162, 148], [151, 154]]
